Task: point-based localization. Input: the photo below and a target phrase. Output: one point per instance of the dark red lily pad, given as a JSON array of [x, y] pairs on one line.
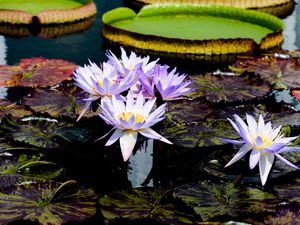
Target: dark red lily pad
[[228, 88], [296, 94], [141, 204], [210, 200], [47, 203], [285, 214], [37, 72], [62, 102], [282, 72], [17, 111]]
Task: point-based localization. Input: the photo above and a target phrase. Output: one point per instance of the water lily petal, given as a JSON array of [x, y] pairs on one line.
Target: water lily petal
[[254, 158], [286, 140], [85, 108], [243, 129], [286, 162], [234, 125], [252, 124], [127, 143], [258, 141], [235, 142], [273, 148], [114, 137], [289, 149], [243, 150], [149, 133], [265, 165]]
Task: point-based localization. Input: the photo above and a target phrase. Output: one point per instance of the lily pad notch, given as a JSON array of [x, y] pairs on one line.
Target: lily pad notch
[[193, 29], [45, 12]]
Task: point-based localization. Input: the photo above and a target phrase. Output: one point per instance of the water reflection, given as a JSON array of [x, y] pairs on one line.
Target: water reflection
[[140, 165]]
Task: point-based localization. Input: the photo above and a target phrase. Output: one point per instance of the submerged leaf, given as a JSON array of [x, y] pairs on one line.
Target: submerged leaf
[[141, 204], [37, 72], [282, 72], [211, 200], [228, 88], [32, 202]]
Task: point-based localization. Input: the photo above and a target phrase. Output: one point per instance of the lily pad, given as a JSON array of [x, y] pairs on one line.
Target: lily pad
[[17, 111], [47, 203], [37, 72], [285, 214], [282, 72], [50, 31], [187, 111], [228, 88], [52, 11], [223, 29], [27, 167], [57, 102], [296, 94], [210, 200], [202, 134], [141, 204], [42, 133]]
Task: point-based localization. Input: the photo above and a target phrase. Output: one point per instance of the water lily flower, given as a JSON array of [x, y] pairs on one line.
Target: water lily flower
[[263, 141], [129, 118], [170, 85], [126, 64], [102, 81]]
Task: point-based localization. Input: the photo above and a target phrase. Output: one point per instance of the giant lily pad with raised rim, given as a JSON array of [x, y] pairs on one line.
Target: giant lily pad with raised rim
[[279, 8], [193, 29], [46, 12]]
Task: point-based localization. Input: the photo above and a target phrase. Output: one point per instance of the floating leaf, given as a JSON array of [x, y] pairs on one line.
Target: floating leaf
[[7, 72], [187, 111], [37, 72], [211, 200], [228, 88], [17, 111], [43, 134], [282, 72], [285, 214], [289, 191], [56, 103], [202, 134], [29, 167], [141, 204], [33, 202]]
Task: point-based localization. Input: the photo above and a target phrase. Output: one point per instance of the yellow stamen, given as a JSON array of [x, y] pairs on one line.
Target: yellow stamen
[[127, 115]]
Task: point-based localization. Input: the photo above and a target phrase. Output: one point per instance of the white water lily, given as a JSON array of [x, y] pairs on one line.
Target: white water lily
[[130, 118], [263, 141]]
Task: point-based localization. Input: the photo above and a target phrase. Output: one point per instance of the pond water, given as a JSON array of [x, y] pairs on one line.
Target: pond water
[[154, 164]]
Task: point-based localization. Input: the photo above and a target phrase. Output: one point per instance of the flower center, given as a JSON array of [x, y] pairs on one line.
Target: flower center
[[261, 142], [127, 115]]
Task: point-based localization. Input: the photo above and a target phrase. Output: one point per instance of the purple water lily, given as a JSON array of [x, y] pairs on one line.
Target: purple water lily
[[170, 85], [130, 118], [263, 141], [128, 63], [103, 81]]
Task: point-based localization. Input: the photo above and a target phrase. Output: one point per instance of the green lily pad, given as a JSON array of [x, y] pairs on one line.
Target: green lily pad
[[228, 88], [282, 72], [223, 29], [47, 203], [210, 200], [43, 133], [142, 204], [17, 111], [52, 11], [37, 72]]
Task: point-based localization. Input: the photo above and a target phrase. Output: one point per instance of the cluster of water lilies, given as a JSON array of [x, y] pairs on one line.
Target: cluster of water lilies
[[133, 113]]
